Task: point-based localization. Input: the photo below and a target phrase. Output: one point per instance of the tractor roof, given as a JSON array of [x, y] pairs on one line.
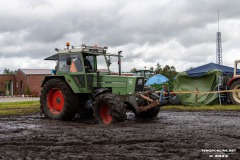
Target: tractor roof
[[142, 70], [94, 50]]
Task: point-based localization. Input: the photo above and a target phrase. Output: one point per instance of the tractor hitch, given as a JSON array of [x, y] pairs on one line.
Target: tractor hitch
[[153, 99]]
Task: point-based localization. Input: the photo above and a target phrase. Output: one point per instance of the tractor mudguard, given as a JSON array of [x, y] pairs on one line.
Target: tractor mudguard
[[46, 78], [69, 80], [101, 91]]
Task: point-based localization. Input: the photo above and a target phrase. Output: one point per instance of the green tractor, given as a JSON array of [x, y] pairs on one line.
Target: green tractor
[[77, 87], [144, 73]]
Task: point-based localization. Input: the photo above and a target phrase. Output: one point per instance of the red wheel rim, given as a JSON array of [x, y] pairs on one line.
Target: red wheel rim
[[55, 100], [104, 112]]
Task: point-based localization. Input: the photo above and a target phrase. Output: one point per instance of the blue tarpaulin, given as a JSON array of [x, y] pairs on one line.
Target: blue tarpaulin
[[198, 71], [157, 79]]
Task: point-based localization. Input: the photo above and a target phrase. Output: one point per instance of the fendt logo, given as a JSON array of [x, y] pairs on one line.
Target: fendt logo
[[130, 81]]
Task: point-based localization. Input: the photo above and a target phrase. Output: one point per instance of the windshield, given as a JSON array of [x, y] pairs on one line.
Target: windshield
[[137, 74], [145, 74], [102, 66], [148, 74]]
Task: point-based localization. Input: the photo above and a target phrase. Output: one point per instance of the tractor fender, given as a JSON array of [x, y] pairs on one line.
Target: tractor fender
[[66, 78], [232, 80], [101, 91], [46, 78], [128, 100]]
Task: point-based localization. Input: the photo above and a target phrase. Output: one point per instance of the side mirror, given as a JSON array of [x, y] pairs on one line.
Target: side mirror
[[69, 61]]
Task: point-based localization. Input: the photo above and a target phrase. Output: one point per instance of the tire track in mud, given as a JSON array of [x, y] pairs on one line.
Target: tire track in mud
[[174, 135]]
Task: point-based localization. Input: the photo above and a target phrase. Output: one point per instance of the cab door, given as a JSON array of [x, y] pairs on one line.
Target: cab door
[[81, 74], [90, 69]]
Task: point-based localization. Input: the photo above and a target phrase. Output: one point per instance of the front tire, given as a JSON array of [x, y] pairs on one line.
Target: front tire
[[57, 100], [235, 96], [108, 108]]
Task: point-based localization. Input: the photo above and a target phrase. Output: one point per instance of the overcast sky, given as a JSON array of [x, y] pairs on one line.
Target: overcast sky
[[181, 33]]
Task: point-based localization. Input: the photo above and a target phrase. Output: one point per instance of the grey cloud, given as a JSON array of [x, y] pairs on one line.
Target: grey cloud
[[117, 24]]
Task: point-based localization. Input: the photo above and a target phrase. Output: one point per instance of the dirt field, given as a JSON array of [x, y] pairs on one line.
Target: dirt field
[[173, 135]]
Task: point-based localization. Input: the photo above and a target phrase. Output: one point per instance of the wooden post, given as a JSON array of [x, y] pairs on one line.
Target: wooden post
[[196, 95]]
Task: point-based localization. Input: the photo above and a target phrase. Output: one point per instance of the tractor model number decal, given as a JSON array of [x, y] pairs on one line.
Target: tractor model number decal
[[130, 81]]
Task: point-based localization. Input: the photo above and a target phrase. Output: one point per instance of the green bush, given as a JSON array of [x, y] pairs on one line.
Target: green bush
[[2, 92], [28, 92]]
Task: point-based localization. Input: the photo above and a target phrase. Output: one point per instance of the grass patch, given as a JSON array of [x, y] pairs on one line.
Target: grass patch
[[31, 107], [202, 108], [19, 108]]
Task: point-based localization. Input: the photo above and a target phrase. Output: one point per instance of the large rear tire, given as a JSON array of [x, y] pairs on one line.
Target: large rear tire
[[108, 109], [235, 96], [57, 100]]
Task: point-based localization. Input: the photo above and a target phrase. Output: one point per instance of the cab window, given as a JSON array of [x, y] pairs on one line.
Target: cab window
[[76, 65], [89, 63], [62, 64]]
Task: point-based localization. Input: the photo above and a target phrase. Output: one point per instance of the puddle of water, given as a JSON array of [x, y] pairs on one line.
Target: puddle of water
[[13, 126]]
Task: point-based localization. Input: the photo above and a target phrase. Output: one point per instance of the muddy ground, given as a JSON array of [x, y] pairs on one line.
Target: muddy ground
[[173, 135]]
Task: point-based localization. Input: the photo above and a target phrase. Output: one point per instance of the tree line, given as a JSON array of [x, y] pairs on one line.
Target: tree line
[[8, 71], [168, 71]]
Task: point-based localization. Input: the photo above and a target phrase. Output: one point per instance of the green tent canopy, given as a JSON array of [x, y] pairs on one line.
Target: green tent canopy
[[205, 83]]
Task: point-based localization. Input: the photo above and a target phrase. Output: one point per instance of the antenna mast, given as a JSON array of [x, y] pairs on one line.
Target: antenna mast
[[218, 45]]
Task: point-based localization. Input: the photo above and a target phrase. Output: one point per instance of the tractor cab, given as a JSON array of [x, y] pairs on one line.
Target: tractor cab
[[79, 59], [79, 66], [236, 69]]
